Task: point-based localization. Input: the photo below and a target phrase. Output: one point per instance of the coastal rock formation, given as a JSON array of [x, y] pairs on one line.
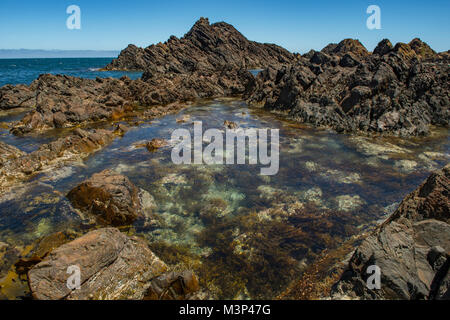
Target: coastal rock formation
[[400, 90], [206, 47], [64, 101], [20, 96], [109, 196], [112, 266], [16, 165], [411, 248]]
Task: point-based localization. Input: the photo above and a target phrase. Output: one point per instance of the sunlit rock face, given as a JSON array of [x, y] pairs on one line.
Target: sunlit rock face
[[396, 91], [112, 267]]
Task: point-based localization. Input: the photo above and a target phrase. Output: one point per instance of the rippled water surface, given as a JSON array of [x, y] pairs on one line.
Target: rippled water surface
[[245, 235], [24, 71]]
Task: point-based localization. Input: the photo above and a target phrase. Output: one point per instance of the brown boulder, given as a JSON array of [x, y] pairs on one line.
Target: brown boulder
[[109, 196], [112, 266]]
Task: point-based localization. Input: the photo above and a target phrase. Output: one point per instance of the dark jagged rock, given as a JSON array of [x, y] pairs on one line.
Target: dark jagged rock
[[112, 266], [412, 249], [109, 196], [346, 46], [384, 47], [64, 101], [422, 49], [395, 91], [206, 47]]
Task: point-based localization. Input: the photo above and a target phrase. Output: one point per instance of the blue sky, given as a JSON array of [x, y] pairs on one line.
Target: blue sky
[[296, 25]]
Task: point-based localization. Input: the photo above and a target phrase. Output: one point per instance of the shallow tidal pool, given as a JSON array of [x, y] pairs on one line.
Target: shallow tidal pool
[[244, 234]]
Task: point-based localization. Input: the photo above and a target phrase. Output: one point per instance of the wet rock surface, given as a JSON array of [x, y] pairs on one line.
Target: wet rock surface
[[16, 166], [109, 196], [411, 248], [400, 90], [112, 266]]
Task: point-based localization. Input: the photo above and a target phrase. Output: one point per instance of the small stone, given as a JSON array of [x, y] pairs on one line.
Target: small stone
[[156, 144]]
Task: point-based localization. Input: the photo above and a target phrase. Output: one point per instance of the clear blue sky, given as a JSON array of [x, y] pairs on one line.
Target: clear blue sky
[[294, 24]]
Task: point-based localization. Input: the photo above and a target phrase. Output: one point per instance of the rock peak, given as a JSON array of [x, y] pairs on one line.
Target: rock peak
[[383, 47]]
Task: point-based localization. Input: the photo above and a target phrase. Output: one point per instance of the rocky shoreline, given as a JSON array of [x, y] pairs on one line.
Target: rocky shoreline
[[397, 90]]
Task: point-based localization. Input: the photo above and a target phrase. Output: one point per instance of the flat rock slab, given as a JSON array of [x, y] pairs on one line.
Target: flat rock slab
[[112, 266]]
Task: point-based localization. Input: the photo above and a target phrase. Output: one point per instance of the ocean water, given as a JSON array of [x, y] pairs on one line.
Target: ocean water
[[24, 71]]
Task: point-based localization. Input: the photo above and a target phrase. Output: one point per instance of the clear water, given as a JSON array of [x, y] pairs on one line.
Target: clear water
[[245, 235], [24, 71]]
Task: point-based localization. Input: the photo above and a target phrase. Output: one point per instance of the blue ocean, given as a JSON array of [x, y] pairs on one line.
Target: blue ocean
[[24, 71]]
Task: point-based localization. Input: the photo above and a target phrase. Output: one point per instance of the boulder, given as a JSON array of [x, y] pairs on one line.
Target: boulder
[[109, 196], [111, 266]]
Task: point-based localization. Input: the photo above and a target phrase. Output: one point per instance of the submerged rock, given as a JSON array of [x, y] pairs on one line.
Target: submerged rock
[[230, 124], [411, 248], [173, 286], [109, 196], [112, 266], [156, 144]]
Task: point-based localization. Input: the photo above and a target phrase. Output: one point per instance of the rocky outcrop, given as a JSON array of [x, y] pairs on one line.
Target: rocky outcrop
[[110, 196], [207, 48], [346, 46], [112, 266], [20, 96], [400, 90], [411, 248], [16, 165], [64, 101]]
